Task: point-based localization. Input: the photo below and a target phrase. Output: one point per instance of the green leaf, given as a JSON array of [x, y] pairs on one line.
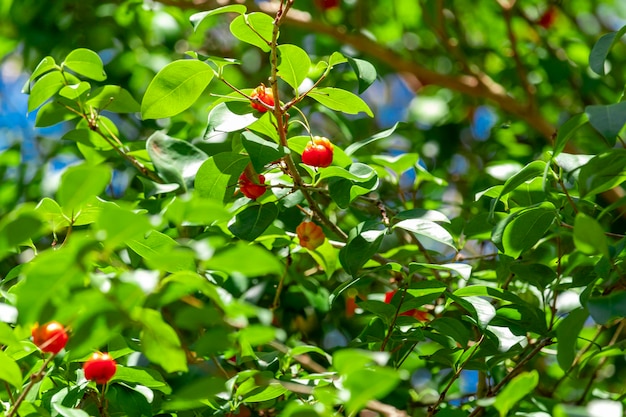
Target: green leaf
[[602, 172], [567, 130], [607, 307], [258, 261], [589, 236], [608, 119], [159, 341], [218, 175], [175, 88], [427, 229], [18, 227], [114, 99], [350, 150], [79, 184], [261, 151], [55, 112], [521, 230], [366, 384], [294, 65], [197, 18], [176, 161], [253, 221], [463, 270], [68, 412], [47, 64], [601, 49], [357, 173], [538, 275], [163, 253], [45, 87], [117, 226], [74, 91], [86, 63], [229, 117], [365, 72], [363, 242], [273, 390], [423, 214], [529, 172], [254, 28], [10, 370], [340, 100], [481, 310], [520, 386], [142, 376], [567, 336]]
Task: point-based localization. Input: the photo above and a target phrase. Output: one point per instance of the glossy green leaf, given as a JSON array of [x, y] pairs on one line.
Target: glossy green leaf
[[462, 270], [602, 172], [74, 91], [85, 62], [10, 370], [47, 64], [229, 117], [51, 212], [567, 336], [609, 119], [143, 376], [254, 28], [363, 242], [55, 112], [253, 221], [159, 341], [218, 175], [261, 151], [114, 99], [258, 261], [519, 387], [422, 214], [88, 137], [80, 183], [366, 384], [529, 172], [162, 252], [538, 275], [294, 65], [605, 308], [7, 336], [601, 49], [45, 87], [357, 172], [521, 230], [175, 88], [68, 411], [567, 130], [354, 147], [365, 72], [481, 310], [195, 210], [340, 100], [176, 161], [117, 226], [273, 390], [197, 18], [589, 236], [427, 229]]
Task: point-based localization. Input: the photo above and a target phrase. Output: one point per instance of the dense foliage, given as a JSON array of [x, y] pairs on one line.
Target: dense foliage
[[314, 208]]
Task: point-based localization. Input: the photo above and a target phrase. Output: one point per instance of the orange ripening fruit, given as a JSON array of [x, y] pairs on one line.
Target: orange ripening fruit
[[50, 337], [318, 152], [311, 235], [100, 367], [265, 95]]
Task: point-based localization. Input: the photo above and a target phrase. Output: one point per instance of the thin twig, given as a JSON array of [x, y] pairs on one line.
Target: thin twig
[[34, 379]]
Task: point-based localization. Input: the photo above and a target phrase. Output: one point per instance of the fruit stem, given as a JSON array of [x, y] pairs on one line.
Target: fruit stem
[[281, 125], [34, 378]]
